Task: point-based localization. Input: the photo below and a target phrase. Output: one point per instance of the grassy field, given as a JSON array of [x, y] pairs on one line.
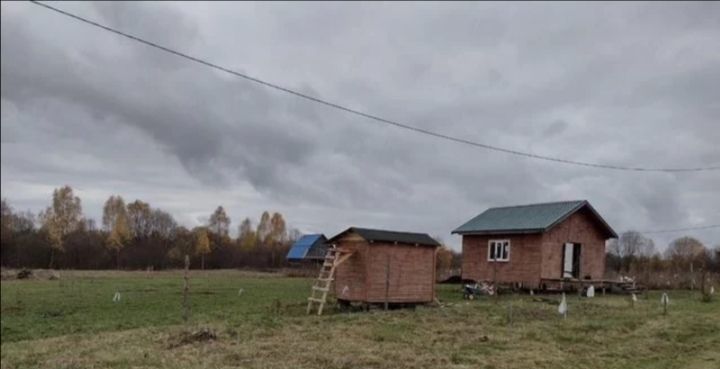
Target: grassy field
[[260, 323]]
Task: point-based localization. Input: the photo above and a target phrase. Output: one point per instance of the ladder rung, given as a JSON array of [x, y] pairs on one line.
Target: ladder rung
[[324, 280]]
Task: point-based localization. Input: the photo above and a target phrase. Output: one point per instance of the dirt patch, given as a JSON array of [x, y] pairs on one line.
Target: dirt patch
[[11, 309], [24, 274], [188, 337]]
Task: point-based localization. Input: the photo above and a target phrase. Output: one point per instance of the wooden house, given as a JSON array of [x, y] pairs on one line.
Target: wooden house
[[385, 266], [534, 245]]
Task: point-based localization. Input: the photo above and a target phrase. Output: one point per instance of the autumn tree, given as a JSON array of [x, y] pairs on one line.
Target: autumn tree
[[60, 219], [263, 228], [139, 219], [685, 251], [115, 222], [202, 244], [6, 230], [278, 228], [219, 223], [444, 260], [246, 235], [276, 236]]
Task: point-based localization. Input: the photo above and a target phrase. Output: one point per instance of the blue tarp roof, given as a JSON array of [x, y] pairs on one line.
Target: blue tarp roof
[[300, 248]]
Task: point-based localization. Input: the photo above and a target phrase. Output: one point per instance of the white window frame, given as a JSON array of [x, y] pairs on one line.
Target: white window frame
[[501, 243]]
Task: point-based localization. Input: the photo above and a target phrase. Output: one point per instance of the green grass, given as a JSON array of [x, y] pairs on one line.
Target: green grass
[[39, 309], [73, 323]]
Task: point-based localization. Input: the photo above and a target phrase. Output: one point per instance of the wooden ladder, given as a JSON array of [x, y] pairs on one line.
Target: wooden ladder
[[321, 286]]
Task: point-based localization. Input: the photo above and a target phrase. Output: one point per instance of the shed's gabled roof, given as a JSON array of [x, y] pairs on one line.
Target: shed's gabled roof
[[378, 235], [303, 247], [533, 218]]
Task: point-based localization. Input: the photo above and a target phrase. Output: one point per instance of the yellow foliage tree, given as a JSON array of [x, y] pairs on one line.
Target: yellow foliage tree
[[202, 244], [247, 237], [61, 219], [115, 221]]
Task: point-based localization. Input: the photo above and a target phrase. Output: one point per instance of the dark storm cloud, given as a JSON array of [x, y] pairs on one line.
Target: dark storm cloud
[[623, 84]]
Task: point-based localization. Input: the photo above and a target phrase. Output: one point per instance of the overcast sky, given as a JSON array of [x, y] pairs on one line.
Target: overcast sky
[[621, 84]]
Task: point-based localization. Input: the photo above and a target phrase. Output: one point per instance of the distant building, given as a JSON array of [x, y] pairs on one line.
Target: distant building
[[397, 267], [528, 244], [310, 247]]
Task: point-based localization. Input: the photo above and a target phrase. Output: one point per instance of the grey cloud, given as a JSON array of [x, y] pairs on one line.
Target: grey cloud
[[612, 83]]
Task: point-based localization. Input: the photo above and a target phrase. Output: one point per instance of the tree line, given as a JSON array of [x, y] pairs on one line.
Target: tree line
[[136, 235], [632, 253]]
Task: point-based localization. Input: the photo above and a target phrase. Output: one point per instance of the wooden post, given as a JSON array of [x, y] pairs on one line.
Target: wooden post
[[510, 313], [495, 286], [186, 290], [387, 281], [692, 277], [580, 289]]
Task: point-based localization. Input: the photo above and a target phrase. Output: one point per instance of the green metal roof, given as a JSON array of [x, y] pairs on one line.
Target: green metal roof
[[533, 218]]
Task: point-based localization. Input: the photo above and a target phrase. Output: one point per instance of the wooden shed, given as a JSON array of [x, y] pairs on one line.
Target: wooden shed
[[385, 266], [535, 245]]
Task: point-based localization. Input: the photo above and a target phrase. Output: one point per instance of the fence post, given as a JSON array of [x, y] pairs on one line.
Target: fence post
[[387, 281], [495, 284], [186, 290]]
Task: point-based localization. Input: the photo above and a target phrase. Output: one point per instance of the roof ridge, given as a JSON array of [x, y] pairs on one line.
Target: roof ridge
[[537, 204], [387, 230]]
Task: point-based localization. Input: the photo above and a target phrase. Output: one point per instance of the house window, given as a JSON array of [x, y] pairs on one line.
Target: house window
[[499, 250]]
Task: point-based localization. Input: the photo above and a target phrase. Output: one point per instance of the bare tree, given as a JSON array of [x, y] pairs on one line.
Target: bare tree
[[629, 246], [685, 251], [219, 223], [139, 219]]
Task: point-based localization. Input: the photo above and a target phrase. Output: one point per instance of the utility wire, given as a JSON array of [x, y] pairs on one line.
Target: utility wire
[[684, 229], [369, 115]]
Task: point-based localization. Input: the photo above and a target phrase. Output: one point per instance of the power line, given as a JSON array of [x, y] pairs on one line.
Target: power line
[[368, 115], [684, 229]]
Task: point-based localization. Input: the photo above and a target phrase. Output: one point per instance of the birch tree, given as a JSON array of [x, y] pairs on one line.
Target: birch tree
[[202, 244], [115, 222], [60, 219]]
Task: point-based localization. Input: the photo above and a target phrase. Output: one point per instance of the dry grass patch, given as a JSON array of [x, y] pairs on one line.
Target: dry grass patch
[[605, 332]]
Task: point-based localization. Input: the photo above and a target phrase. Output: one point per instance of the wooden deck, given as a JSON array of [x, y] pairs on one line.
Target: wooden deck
[[601, 285]]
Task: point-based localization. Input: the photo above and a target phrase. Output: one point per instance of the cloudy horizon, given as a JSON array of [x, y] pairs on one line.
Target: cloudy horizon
[[618, 84]]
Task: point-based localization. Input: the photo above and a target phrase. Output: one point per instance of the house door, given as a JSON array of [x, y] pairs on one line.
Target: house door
[[571, 260]]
